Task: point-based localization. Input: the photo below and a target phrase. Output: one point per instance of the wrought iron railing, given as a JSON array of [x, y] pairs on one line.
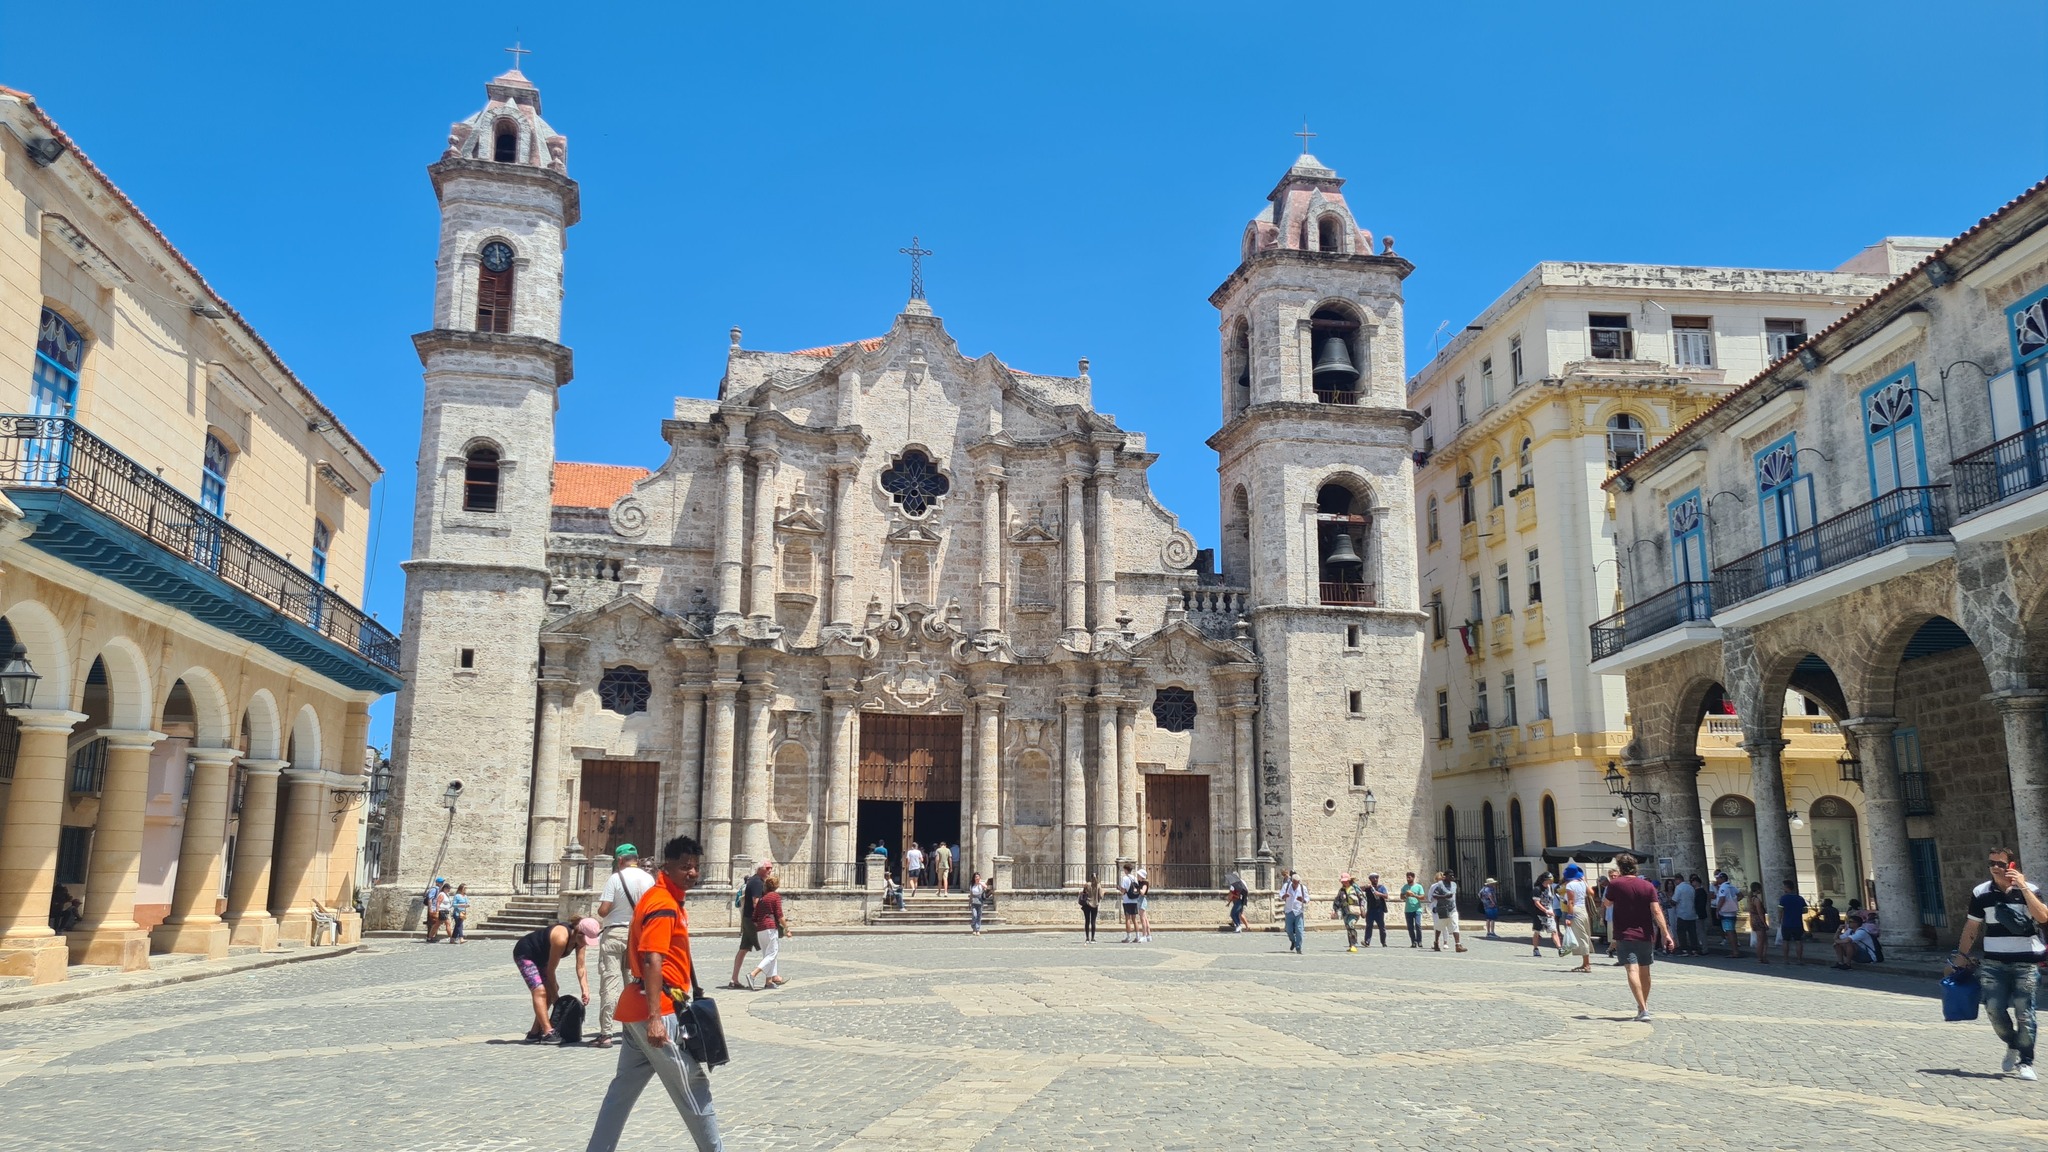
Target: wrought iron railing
[[1913, 790], [1894, 518], [1183, 877], [2016, 464], [1679, 604], [1045, 877], [1479, 723], [812, 874], [89, 766], [50, 452], [1351, 595], [537, 879], [1336, 396]]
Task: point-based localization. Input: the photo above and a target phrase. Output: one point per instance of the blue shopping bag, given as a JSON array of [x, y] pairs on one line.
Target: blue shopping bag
[[1959, 995]]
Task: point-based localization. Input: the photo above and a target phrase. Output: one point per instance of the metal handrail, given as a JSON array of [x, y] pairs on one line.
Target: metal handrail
[[2008, 467], [1685, 603], [1896, 517], [1347, 594], [53, 452]]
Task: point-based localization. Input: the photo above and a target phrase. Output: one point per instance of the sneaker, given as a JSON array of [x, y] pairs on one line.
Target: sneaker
[[2027, 1072], [1536, 952], [1643, 1017], [2012, 1060], [1353, 948], [1239, 928]]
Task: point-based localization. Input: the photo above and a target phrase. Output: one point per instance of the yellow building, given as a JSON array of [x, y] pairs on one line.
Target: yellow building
[[183, 528], [1573, 370]]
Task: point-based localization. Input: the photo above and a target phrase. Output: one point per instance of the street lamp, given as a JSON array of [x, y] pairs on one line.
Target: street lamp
[[18, 679], [1371, 802], [1621, 817], [1793, 818], [451, 795], [1852, 768], [1617, 786]]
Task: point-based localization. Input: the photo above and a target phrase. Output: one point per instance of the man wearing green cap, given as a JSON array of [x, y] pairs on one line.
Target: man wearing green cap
[[627, 885]]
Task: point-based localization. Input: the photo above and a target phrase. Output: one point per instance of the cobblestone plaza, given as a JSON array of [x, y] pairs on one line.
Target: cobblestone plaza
[[1029, 1041]]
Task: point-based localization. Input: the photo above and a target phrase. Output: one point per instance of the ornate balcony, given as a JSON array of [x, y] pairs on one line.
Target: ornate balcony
[[1996, 486], [1690, 603], [98, 510], [1841, 544]]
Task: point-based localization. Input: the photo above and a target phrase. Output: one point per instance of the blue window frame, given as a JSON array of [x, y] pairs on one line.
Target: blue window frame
[[60, 351], [1892, 434], [213, 486], [321, 536], [1785, 503], [2027, 322], [1927, 879], [1688, 539]]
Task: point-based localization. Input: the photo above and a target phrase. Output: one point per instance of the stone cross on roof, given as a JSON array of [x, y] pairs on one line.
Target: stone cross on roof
[[917, 256]]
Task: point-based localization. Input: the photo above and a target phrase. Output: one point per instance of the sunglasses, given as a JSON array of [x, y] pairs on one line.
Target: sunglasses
[[2001, 865]]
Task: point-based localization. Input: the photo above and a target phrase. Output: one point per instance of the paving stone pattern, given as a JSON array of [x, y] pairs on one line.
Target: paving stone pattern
[[1039, 1042]]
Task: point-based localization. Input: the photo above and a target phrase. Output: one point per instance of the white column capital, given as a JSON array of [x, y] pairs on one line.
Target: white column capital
[[265, 767], [304, 775], [46, 719], [221, 756], [130, 737]]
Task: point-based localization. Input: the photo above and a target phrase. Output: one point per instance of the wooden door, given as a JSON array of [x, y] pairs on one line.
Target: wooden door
[[1177, 831], [909, 758], [617, 806]]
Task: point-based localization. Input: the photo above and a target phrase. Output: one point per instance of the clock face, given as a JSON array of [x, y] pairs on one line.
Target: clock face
[[497, 256]]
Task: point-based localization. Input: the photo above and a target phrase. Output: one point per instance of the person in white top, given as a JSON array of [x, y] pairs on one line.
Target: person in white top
[[913, 866], [1727, 904], [628, 883], [1578, 916], [1294, 910], [1144, 887]]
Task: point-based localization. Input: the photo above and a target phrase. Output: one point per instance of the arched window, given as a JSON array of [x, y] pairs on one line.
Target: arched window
[[1494, 484], [624, 690], [1173, 709], [1343, 536], [1517, 846], [1549, 822], [60, 351], [480, 481], [505, 148], [494, 288], [321, 536], [1241, 364], [213, 482], [1429, 518], [1528, 469], [1330, 234], [1333, 333], [1625, 439]]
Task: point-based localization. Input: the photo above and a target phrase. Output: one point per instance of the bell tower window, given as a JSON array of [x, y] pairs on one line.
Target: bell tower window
[[480, 480], [494, 288], [1329, 234], [505, 146], [1343, 528], [1241, 366], [1334, 335]]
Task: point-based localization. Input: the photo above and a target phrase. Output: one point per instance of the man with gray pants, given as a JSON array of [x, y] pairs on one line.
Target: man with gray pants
[[615, 911]]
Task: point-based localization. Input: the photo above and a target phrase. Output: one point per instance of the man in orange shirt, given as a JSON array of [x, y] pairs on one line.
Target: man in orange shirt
[[658, 945]]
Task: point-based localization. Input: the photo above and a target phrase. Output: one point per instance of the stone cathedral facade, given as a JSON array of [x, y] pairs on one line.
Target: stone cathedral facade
[[886, 590]]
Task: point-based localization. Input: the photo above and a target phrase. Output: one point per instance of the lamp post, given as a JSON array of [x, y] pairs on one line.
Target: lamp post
[[1851, 768], [1617, 786]]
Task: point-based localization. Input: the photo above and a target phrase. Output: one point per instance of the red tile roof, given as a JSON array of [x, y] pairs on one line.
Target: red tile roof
[[594, 485], [1897, 284], [826, 352], [107, 182]]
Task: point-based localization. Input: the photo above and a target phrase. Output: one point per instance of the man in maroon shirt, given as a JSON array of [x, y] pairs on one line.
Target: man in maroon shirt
[[1637, 914]]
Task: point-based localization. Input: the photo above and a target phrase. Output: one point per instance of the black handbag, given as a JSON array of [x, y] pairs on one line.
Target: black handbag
[[703, 1032]]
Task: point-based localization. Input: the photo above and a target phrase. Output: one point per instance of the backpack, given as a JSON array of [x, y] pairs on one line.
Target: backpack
[[566, 1018]]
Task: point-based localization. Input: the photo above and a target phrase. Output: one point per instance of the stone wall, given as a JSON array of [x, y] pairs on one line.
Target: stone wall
[[1962, 746]]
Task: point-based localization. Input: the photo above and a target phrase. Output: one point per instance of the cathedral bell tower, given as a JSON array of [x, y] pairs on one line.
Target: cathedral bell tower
[[1317, 492], [476, 585]]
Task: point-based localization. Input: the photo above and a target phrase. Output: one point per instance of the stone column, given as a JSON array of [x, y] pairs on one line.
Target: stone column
[[1244, 776], [684, 806], [1108, 842], [761, 552], [1074, 542], [1884, 819], [340, 863], [840, 781], [1104, 551], [731, 527], [987, 778], [1674, 829], [291, 887], [2026, 760], [754, 780], [718, 779], [108, 933], [1074, 784], [249, 919], [992, 551], [194, 925], [841, 617], [1773, 830], [1127, 779], [28, 846], [545, 827]]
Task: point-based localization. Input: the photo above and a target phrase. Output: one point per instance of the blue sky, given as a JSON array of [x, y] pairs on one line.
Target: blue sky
[[1082, 171]]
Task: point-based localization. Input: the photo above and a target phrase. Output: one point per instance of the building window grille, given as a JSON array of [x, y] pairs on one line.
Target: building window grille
[[915, 483], [74, 849], [1173, 709], [89, 766], [624, 690], [480, 480]]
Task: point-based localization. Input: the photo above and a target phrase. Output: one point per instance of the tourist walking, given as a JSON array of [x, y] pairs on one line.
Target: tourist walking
[[1543, 916], [943, 860], [1727, 905], [1578, 917], [1350, 904], [1792, 925], [1375, 909], [755, 887], [1607, 912], [1091, 905], [1237, 893], [433, 901], [538, 953], [913, 868], [458, 914], [1639, 925], [977, 895], [622, 891], [1294, 910], [1411, 909], [1489, 906], [1144, 886], [1127, 892], [659, 941], [1759, 923], [1685, 910], [2007, 913], [1443, 909], [771, 927]]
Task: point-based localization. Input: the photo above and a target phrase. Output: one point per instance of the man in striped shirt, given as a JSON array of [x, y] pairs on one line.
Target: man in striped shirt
[[2007, 913]]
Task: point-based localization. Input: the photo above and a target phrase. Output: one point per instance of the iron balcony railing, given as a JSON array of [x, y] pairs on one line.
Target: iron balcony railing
[[51, 452], [1687, 603], [2016, 464], [1894, 518], [1347, 594]]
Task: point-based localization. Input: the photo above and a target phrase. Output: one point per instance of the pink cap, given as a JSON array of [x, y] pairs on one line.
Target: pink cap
[[590, 929]]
